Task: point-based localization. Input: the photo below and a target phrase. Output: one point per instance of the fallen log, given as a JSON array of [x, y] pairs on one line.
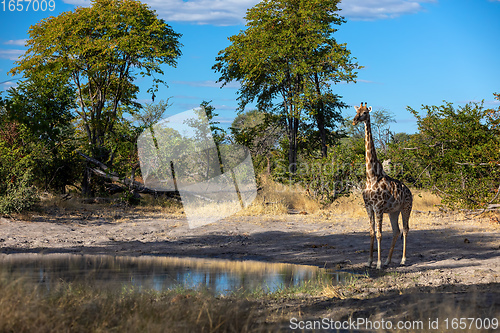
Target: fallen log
[[124, 184]]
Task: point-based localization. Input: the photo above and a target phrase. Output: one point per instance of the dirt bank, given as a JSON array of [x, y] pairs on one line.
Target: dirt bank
[[447, 254]]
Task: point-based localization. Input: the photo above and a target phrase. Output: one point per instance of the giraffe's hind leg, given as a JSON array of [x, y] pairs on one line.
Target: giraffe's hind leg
[[395, 234], [405, 214]]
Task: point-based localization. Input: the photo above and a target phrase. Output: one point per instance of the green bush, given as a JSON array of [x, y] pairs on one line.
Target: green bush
[[19, 196], [326, 179], [455, 154]]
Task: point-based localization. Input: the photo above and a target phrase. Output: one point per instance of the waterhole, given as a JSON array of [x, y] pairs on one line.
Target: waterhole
[[161, 273]]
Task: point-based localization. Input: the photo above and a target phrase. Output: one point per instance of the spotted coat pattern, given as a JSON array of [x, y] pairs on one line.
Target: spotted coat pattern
[[382, 194]]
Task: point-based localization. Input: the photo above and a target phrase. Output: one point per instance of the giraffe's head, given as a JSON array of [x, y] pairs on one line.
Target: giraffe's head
[[362, 113]]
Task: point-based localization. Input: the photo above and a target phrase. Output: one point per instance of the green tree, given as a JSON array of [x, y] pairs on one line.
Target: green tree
[[123, 142], [43, 107], [456, 153], [398, 138], [288, 53], [218, 133], [17, 163], [382, 134], [261, 132], [495, 115], [101, 49], [320, 128]]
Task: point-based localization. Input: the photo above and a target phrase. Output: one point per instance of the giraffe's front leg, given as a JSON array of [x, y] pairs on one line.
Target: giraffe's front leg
[[379, 239], [379, 260], [395, 234], [372, 235], [406, 228], [372, 241], [403, 260]]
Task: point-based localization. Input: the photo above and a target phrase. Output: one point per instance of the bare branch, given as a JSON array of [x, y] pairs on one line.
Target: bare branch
[[128, 183], [93, 160]]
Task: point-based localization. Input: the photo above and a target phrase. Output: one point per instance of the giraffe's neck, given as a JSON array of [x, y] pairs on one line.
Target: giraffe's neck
[[374, 168]]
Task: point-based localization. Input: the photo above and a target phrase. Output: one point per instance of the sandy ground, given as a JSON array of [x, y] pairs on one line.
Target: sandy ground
[[447, 254]]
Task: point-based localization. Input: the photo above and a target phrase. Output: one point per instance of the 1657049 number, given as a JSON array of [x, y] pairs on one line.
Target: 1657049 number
[[27, 5]]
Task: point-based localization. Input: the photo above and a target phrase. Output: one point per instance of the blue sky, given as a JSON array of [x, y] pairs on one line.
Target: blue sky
[[414, 51]]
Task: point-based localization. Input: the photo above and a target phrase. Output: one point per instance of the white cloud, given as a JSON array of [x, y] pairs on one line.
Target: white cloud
[[18, 42], [380, 9], [367, 81], [232, 12], [494, 102], [209, 84], [83, 3], [216, 12], [8, 84], [11, 54], [225, 120]]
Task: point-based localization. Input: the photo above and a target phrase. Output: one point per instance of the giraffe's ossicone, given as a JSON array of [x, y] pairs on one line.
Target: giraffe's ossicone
[[382, 194]]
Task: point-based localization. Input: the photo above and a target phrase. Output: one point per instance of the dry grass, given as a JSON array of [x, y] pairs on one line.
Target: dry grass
[[72, 308], [76, 308], [420, 304], [277, 199], [374, 299], [111, 209], [425, 201], [273, 199], [353, 205], [162, 205]]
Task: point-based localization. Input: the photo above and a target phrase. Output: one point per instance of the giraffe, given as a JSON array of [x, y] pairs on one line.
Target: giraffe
[[382, 194]]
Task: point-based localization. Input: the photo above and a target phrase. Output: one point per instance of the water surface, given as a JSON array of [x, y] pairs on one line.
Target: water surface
[[160, 273]]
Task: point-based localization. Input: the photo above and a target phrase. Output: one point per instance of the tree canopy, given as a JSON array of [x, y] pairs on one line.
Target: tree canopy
[[100, 48], [455, 153], [287, 53]]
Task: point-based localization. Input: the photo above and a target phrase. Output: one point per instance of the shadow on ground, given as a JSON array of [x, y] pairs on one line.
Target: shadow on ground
[[427, 249]]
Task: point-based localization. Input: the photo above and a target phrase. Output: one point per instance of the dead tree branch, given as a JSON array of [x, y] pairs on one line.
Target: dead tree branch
[[489, 206], [126, 184]]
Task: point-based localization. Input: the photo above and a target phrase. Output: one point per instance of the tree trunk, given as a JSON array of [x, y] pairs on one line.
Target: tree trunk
[[322, 134], [292, 146], [320, 117], [126, 184], [86, 188]]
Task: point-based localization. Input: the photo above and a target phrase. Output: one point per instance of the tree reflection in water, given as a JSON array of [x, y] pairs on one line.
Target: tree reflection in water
[[160, 273]]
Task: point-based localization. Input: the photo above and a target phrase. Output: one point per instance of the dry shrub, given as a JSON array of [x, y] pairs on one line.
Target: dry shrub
[[272, 199], [69, 203], [108, 207], [275, 198], [425, 201], [161, 204], [351, 206]]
